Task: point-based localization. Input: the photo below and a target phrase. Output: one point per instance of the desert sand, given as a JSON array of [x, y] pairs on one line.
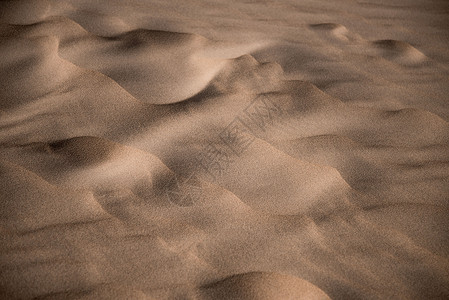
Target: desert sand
[[294, 149]]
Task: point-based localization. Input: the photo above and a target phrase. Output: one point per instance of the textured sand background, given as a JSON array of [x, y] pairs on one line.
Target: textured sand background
[[224, 149]]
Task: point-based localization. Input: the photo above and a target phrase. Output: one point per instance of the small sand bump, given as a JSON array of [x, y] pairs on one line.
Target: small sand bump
[[337, 30], [399, 51], [85, 150]]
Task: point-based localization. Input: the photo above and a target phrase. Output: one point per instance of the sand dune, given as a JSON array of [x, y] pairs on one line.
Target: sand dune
[[224, 150]]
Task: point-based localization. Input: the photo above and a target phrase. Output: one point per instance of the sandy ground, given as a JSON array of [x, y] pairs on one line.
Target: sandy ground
[[224, 149]]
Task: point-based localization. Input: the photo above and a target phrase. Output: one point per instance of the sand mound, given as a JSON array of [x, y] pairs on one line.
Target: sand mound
[[335, 30], [27, 59], [94, 164], [399, 51], [260, 285], [169, 85], [99, 23], [84, 151], [31, 203]]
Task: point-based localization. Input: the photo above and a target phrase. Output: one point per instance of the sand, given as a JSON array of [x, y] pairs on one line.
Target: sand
[[224, 149]]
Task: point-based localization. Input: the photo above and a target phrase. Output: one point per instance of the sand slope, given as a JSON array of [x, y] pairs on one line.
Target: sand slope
[[224, 149]]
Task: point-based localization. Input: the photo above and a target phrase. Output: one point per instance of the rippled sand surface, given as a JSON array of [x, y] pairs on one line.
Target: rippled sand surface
[[224, 149]]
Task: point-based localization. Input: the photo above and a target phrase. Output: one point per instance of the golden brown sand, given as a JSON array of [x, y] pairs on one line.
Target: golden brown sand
[[224, 149]]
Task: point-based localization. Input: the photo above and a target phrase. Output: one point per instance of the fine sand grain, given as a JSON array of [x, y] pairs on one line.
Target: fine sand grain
[[294, 149]]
